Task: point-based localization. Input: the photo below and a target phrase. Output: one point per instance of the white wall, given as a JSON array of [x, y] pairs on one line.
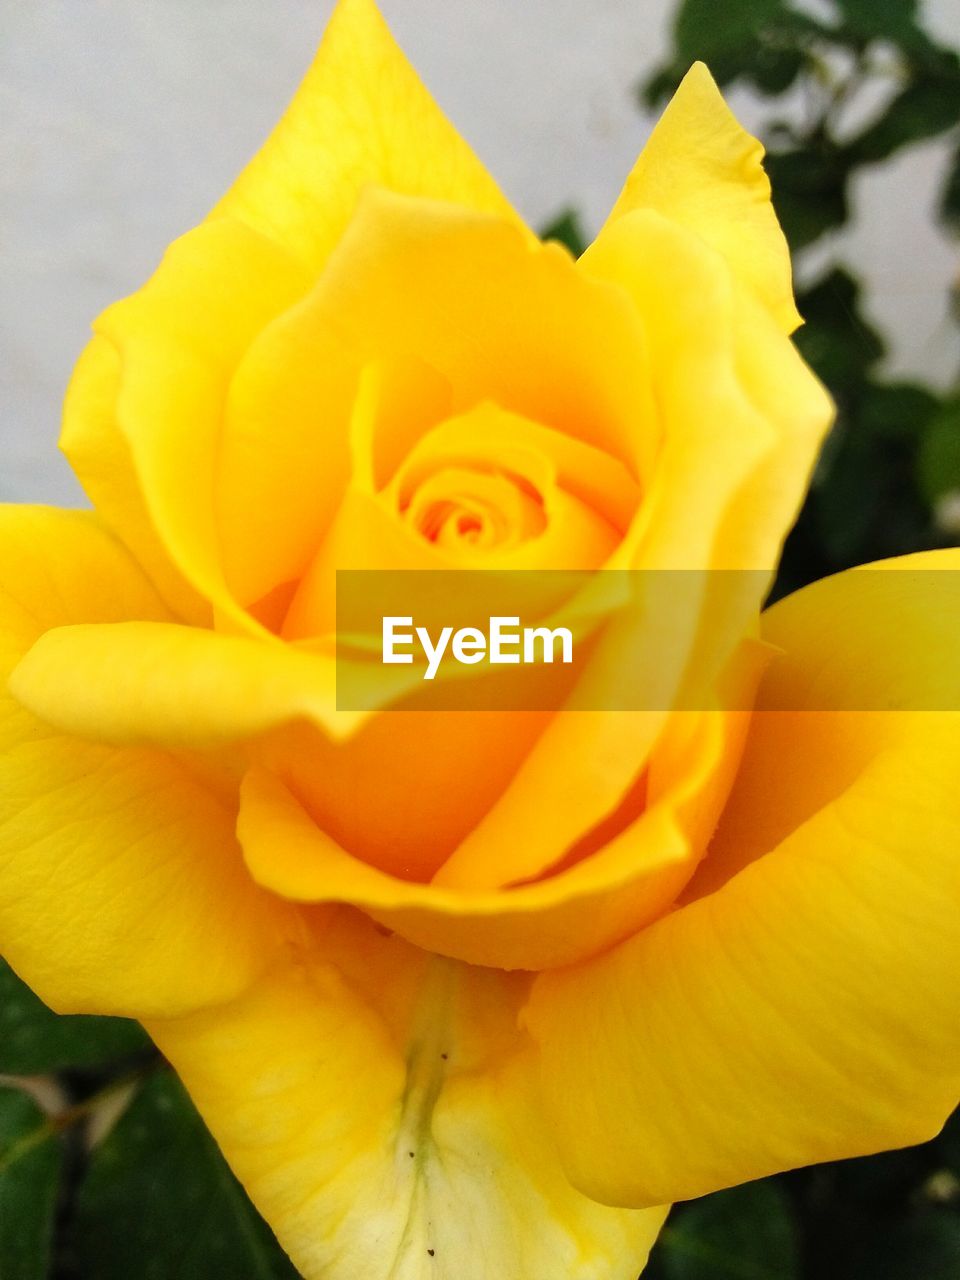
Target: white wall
[[122, 121]]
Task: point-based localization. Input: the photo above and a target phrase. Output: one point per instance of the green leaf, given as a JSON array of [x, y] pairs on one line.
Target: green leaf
[[938, 462], [30, 1157], [894, 20], [763, 41], [747, 1233], [775, 67], [34, 1040], [950, 196], [704, 29], [567, 228], [847, 500], [836, 339], [159, 1202], [809, 191], [924, 109], [660, 86], [922, 1246], [897, 410]]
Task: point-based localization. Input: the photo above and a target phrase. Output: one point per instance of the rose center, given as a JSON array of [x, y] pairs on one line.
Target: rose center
[[474, 509]]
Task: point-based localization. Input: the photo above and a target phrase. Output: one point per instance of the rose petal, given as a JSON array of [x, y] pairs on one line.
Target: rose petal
[[177, 341], [133, 683], [118, 869], [361, 116], [467, 300], [100, 455], [553, 921], [381, 1109], [807, 1009], [700, 169]]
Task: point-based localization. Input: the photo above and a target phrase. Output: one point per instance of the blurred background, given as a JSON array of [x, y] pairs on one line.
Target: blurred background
[[122, 121]]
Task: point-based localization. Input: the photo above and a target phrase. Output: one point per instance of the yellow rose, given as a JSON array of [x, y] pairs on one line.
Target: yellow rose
[[467, 995]]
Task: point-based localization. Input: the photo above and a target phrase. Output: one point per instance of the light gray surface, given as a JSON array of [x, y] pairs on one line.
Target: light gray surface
[[121, 121]]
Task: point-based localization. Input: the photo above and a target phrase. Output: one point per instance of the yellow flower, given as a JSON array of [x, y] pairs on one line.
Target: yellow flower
[[467, 995]]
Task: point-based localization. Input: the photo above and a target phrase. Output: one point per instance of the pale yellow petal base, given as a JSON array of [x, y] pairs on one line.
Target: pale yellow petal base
[[382, 1109]]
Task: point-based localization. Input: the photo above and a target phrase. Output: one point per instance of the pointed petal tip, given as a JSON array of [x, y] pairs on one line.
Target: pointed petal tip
[[702, 169]]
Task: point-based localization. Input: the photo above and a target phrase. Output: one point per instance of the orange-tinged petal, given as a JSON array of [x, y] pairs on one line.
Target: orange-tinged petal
[[122, 888], [732, 467], [381, 1108], [807, 1008], [523, 854], [498, 317], [584, 907], [361, 117], [462, 458], [548, 340], [700, 169], [489, 435], [396, 792]]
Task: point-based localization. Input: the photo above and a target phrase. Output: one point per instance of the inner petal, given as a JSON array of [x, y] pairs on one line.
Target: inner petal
[[416, 285], [462, 509], [486, 489], [538, 457]]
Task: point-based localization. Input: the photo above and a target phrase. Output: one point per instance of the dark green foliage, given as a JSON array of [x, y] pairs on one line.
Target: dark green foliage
[[835, 338], [924, 109], [950, 200], [153, 1200], [889, 1217], [158, 1201], [938, 463], [568, 230], [896, 20], [811, 187], [747, 1233], [30, 1159], [34, 1040]]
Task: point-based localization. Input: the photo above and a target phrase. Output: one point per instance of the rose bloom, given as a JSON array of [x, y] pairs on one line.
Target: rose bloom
[[461, 994]]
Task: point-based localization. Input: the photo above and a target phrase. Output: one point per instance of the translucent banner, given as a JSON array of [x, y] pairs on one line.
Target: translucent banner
[[631, 640]]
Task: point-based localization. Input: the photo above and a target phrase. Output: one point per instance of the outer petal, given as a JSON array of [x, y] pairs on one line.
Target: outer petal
[[140, 683], [701, 169], [99, 453], [743, 416], [381, 1108], [899, 654], [143, 422], [361, 116], [743, 421], [807, 1009], [122, 889]]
